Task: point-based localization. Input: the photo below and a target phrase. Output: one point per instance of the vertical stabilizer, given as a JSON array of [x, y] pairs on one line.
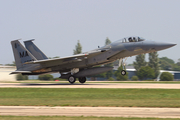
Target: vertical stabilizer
[[34, 50], [21, 54]]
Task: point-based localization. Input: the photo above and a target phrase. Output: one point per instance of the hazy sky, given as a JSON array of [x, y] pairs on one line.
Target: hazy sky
[[58, 24]]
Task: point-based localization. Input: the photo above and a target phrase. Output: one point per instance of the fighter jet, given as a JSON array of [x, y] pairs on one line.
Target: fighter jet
[[32, 61]]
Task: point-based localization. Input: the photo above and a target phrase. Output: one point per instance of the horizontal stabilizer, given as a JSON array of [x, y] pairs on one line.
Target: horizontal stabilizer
[[17, 72]]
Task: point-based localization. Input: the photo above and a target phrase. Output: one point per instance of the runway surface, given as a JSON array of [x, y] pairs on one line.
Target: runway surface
[[90, 85], [90, 111]]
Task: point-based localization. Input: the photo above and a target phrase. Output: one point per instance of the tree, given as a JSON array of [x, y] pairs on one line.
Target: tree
[[111, 79], [45, 77], [140, 62], [108, 73], [169, 64], [13, 64], [20, 77], [154, 62], [134, 78], [78, 48], [166, 76], [53, 57], [176, 67], [119, 76], [178, 63], [56, 57], [166, 63], [107, 41], [145, 73], [170, 61]]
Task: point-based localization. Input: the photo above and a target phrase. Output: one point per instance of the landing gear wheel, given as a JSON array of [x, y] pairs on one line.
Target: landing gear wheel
[[72, 79], [123, 72], [82, 79]]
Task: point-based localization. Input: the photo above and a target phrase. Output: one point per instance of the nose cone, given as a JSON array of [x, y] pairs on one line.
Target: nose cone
[[163, 45]]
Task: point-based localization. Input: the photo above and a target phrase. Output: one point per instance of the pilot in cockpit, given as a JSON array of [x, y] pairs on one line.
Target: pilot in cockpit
[[134, 39], [130, 39]]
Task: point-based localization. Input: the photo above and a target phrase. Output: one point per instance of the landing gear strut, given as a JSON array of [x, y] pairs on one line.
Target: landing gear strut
[[123, 72], [82, 79]]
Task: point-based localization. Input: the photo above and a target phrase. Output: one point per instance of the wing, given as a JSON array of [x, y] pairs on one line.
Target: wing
[[59, 61], [69, 59]]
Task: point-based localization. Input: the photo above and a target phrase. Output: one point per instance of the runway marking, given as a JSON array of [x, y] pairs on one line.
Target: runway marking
[[90, 111], [90, 85]]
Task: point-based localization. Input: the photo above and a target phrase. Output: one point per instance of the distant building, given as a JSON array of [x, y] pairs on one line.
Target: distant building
[[4, 73], [131, 72], [176, 74]]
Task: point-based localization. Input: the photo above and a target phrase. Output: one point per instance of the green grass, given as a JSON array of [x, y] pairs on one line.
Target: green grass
[[76, 118], [90, 97]]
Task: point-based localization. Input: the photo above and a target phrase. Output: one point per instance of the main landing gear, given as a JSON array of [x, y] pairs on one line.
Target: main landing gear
[[72, 79], [82, 79]]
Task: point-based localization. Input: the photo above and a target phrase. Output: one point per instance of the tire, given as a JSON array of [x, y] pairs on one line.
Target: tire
[[82, 79], [123, 72], [72, 79]]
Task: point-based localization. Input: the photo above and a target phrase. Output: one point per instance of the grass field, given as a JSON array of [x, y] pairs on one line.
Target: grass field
[[76, 118], [90, 97]]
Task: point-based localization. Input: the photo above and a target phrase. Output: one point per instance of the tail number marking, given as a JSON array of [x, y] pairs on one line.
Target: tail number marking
[[23, 54]]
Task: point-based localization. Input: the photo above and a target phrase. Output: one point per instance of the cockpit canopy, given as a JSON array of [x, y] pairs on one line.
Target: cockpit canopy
[[132, 39]]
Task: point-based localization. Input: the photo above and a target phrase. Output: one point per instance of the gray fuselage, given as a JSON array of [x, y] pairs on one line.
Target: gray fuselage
[[117, 50]]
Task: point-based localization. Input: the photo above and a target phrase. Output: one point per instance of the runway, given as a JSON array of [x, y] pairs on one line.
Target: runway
[[90, 111], [91, 85]]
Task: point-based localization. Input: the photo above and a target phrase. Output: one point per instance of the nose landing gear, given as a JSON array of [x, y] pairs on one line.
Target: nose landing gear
[[123, 72]]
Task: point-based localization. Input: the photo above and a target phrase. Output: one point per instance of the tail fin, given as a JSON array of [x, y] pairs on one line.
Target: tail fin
[[21, 54], [34, 50]]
